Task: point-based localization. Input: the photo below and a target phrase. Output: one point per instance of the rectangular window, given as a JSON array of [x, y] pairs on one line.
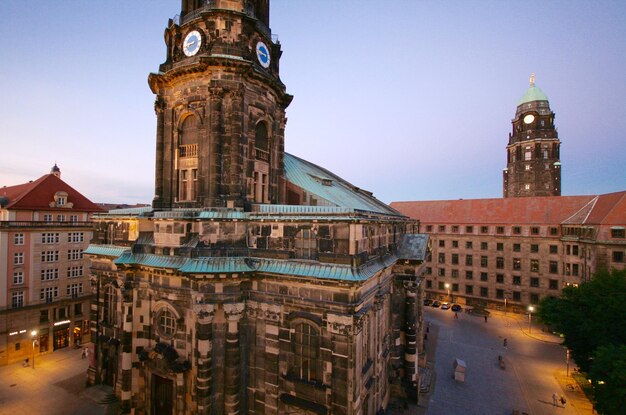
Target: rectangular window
[[49, 294], [429, 271], [49, 256], [534, 282], [18, 258], [554, 284], [74, 254], [455, 273], [49, 274], [442, 272], [429, 284], [554, 267], [73, 272], [534, 265], [500, 278], [568, 249], [500, 294], [484, 261], [73, 218], [484, 292], [534, 230], [75, 289], [469, 260], [575, 270], [78, 309], [574, 249], [500, 262], [17, 299], [469, 229], [455, 259], [442, 258], [517, 280], [455, 287], [517, 296], [18, 278], [469, 245], [429, 228], [442, 228], [554, 231], [440, 285], [517, 247], [618, 256], [500, 230], [499, 246], [469, 289], [455, 244], [534, 248], [442, 243], [18, 239], [484, 229], [517, 264], [554, 249], [60, 218], [618, 233], [534, 298], [484, 246], [455, 228], [517, 230], [44, 315], [469, 275], [50, 238], [483, 276], [47, 218]]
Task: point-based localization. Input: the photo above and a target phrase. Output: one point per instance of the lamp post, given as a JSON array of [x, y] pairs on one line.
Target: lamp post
[[33, 335], [530, 317], [448, 288]]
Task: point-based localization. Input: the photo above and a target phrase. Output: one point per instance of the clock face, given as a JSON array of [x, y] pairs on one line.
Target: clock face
[[191, 44], [263, 54], [529, 118]]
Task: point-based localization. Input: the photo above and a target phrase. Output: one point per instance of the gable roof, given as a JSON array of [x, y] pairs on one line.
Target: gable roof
[[38, 194], [332, 188]]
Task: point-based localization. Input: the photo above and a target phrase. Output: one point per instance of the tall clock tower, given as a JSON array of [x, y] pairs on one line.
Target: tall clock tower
[[220, 107], [532, 154]]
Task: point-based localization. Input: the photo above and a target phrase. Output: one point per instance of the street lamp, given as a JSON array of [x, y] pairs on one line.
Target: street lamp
[[33, 335], [448, 288], [530, 317]]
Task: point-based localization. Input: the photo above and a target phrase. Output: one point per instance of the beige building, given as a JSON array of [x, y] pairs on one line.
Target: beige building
[[44, 279], [515, 251]]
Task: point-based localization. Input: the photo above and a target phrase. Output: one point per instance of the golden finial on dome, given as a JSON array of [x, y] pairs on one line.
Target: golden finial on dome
[[532, 79]]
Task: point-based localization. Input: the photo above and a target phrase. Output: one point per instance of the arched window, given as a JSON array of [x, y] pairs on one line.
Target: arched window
[[188, 149], [260, 186], [306, 344], [166, 323], [110, 305], [261, 141]]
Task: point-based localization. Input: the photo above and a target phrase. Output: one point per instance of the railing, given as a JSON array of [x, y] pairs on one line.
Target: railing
[[188, 150], [262, 155], [43, 224]]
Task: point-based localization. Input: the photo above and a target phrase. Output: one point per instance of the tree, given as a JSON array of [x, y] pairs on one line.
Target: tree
[[608, 377], [589, 315]]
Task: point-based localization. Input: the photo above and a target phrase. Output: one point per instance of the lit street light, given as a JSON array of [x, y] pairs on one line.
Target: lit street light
[[33, 335], [530, 317], [448, 288]]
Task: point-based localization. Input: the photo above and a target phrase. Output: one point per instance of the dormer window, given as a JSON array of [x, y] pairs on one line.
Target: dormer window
[[61, 200]]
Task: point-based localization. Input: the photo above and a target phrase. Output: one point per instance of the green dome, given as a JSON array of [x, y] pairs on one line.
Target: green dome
[[533, 94]]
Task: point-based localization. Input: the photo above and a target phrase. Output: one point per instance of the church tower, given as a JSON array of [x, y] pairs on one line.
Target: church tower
[[533, 166], [220, 107]]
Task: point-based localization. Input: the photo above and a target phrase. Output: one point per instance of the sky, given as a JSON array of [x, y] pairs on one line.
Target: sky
[[412, 100]]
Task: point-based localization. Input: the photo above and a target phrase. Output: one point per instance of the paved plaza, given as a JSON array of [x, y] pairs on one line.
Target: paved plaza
[[534, 368], [56, 386]]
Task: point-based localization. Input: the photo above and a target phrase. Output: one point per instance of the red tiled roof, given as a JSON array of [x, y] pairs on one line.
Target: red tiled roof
[[38, 194], [523, 210]]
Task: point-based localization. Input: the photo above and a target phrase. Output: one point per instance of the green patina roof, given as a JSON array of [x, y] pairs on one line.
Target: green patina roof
[[331, 188], [106, 250], [533, 94]]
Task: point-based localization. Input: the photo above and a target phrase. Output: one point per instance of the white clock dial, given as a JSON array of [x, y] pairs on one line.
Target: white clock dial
[[192, 42], [529, 118], [263, 54]]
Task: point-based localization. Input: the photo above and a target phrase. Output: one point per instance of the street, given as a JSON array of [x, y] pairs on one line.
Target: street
[[534, 367]]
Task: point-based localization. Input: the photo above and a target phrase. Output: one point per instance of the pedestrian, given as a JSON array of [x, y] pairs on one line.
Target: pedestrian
[[25, 362], [563, 401], [555, 397], [82, 354], [456, 315], [504, 342], [485, 318]]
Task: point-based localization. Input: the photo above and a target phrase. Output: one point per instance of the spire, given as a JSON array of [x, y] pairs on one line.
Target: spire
[[532, 79], [56, 171]]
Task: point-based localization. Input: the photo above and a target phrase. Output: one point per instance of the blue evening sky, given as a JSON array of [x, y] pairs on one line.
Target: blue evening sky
[[411, 100]]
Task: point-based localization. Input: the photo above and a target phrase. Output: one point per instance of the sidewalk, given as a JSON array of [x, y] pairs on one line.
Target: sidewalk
[[56, 385], [534, 331]]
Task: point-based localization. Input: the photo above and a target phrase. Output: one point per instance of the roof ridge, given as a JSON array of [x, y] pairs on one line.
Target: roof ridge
[[579, 211], [29, 187]]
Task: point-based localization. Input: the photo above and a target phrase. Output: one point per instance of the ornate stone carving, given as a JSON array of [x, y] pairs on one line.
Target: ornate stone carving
[[341, 324], [204, 312], [234, 311]]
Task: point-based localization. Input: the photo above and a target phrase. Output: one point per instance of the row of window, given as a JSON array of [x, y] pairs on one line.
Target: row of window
[[49, 274], [500, 293], [47, 294], [50, 256], [516, 247], [500, 230], [484, 262], [515, 280], [60, 218], [51, 238]]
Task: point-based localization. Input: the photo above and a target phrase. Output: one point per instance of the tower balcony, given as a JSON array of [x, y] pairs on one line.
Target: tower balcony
[[188, 150], [262, 154]]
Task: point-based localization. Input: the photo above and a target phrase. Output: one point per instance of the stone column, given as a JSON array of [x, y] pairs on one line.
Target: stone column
[[211, 151], [204, 317], [410, 351], [159, 107], [232, 360], [127, 347]]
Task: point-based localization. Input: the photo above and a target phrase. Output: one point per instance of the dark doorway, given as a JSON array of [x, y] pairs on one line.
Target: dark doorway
[[162, 395]]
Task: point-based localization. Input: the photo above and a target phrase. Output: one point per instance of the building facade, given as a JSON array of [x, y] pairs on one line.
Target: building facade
[[44, 279], [511, 253], [258, 283], [533, 166]]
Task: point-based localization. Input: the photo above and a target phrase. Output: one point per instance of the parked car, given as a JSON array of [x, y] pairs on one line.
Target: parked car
[[445, 306], [427, 301], [456, 308], [436, 304]]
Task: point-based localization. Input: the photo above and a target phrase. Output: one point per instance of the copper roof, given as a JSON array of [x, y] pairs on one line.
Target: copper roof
[[38, 194], [599, 209]]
